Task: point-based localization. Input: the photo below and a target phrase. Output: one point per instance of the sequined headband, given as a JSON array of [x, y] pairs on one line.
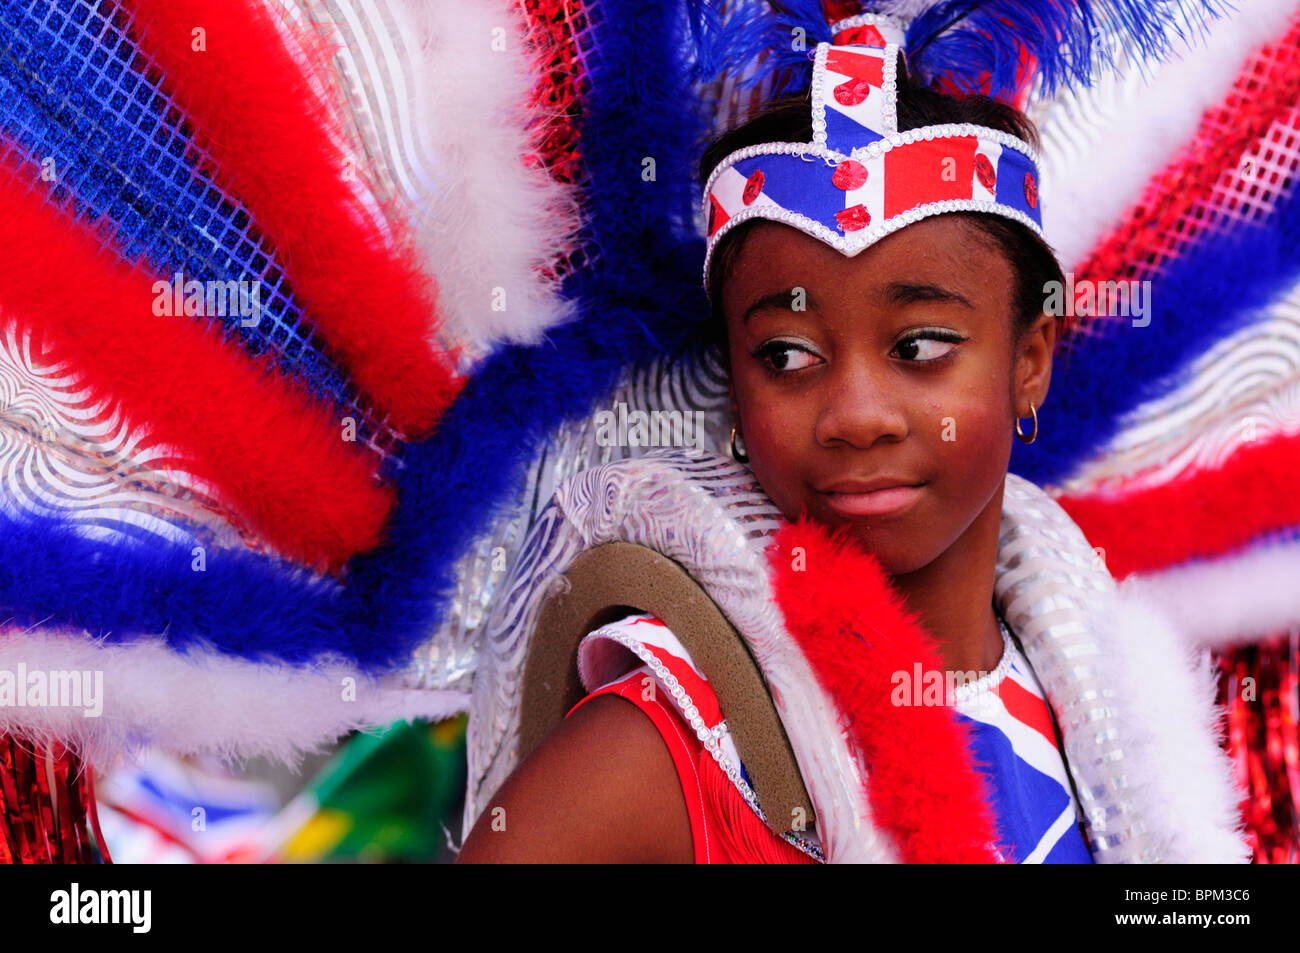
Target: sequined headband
[[860, 178]]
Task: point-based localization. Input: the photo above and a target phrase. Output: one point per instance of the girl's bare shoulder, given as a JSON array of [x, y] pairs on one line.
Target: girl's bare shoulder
[[601, 788]]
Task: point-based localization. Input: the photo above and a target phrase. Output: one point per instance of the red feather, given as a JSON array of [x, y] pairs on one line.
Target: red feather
[[856, 631], [1200, 515], [249, 105], [273, 456]]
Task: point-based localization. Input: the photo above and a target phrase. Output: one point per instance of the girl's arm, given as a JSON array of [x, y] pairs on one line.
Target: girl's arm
[[601, 788]]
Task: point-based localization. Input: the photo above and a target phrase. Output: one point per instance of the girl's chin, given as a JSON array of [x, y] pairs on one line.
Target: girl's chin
[[895, 551]]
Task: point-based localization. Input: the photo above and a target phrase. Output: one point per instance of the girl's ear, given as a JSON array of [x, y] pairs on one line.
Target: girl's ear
[[1034, 363]]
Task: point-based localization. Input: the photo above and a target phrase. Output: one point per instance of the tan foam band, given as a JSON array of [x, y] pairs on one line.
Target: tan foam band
[[607, 582]]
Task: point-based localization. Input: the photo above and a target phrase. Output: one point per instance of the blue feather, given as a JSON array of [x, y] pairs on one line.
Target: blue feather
[[974, 44], [734, 35], [1216, 287]]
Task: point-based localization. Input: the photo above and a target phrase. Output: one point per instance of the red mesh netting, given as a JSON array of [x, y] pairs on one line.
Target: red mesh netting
[[1245, 154]]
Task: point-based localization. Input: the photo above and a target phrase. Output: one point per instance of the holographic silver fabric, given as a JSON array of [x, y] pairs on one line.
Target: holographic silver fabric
[[448, 659], [1048, 582]]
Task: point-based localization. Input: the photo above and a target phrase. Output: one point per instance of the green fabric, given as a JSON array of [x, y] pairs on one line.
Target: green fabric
[[390, 794]]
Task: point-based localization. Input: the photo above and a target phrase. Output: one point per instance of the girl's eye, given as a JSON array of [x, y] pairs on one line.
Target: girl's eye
[[912, 351], [782, 356]]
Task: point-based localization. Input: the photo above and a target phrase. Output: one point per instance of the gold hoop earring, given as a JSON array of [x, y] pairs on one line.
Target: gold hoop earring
[[738, 455], [1034, 435]]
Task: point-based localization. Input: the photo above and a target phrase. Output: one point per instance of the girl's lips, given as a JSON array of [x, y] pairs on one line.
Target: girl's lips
[[875, 503]]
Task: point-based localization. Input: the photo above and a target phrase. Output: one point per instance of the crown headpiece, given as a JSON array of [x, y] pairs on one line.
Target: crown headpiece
[[860, 178]]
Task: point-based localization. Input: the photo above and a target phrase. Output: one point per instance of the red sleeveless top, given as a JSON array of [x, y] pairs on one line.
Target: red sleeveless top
[[639, 659]]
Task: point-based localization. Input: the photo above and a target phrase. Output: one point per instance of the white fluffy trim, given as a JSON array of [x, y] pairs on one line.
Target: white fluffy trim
[[185, 704], [1232, 600], [488, 222], [1178, 778]]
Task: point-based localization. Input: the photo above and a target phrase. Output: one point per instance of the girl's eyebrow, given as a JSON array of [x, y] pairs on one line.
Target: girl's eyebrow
[[901, 292], [897, 292], [778, 301]]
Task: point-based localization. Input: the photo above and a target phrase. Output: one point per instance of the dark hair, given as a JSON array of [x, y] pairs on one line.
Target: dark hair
[[789, 119]]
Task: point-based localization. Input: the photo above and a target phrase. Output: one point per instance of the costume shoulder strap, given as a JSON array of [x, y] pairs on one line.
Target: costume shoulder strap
[[645, 640]]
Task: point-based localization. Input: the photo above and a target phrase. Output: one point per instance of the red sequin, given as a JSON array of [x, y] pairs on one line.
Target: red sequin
[[984, 170], [1261, 691], [852, 91], [1031, 190], [849, 174], [854, 218], [753, 186]]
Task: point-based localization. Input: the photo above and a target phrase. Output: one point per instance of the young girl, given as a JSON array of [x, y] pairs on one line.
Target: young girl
[[876, 394]]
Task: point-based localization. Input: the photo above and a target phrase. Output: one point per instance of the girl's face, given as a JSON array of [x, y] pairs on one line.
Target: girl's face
[[895, 366]]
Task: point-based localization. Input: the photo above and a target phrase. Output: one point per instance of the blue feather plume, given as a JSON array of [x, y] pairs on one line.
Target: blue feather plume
[[1071, 40], [641, 298], [974, 44]]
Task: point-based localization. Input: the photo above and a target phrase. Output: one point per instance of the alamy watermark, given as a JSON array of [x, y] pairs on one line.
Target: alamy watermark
[[655, 428], [217, 299], [930, 687], [41, 688], [131, 908], [1086, 298]]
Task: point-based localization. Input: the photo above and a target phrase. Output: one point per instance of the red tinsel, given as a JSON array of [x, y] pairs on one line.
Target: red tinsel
[[1261, 689], [47, 806]]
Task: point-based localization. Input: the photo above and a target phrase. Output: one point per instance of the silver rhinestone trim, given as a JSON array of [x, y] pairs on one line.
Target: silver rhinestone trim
[[854, 243], [871, 19], [709, 738], [889, 84], [962, 693], [819, 95]]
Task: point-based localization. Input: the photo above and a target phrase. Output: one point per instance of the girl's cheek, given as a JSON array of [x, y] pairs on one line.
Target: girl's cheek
[[772, 437], [975, 443]]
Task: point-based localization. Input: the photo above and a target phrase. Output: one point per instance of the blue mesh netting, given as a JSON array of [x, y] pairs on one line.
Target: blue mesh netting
[[73, 91]]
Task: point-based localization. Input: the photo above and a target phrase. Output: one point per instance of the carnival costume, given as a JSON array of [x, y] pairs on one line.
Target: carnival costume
[[377, 488]]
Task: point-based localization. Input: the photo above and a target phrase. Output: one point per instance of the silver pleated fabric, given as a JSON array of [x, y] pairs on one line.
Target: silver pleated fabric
[[1049, 582]]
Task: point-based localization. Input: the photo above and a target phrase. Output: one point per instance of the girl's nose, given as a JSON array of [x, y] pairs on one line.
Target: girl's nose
[[859, 406]]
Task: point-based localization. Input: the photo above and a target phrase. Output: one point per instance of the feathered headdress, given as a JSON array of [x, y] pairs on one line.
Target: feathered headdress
[[861, 177]]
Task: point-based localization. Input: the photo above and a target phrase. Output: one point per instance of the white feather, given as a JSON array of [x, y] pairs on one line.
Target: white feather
[[487, 222], [1234, 599], [1176, 773], [186, 704]]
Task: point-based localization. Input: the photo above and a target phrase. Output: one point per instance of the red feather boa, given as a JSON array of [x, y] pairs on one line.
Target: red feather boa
[[258, 438], [249, 105], [1201, 515], [855, 631]]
